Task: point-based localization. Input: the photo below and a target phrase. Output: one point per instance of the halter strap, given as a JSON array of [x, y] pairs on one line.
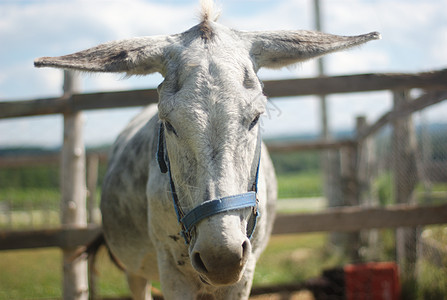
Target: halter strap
[[210, 207], [165, 166]]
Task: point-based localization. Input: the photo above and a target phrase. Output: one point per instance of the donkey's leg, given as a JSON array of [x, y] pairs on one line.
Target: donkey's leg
[[139, 287]]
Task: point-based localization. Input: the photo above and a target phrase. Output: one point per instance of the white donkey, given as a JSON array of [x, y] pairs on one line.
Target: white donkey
[[190, 191]]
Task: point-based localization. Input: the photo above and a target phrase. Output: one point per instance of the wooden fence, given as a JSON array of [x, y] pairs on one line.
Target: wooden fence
[[76, 233]]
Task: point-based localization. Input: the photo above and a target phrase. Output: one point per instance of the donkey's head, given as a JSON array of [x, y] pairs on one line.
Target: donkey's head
[[210, 103]]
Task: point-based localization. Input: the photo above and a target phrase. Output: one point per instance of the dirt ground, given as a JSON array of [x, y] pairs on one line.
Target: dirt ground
[[301, 295]]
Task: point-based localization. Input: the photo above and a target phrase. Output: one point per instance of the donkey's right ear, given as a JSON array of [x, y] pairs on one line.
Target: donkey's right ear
[[136, 56], [276, 49]]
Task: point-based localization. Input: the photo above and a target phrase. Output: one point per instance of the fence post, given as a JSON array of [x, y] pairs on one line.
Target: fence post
[[92, 181], [405, 179], [350, 190], [73, 191], [330, 159], [366, 164]]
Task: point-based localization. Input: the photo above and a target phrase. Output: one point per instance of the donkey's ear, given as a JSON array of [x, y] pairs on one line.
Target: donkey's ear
[[276, 49], [136, 56]]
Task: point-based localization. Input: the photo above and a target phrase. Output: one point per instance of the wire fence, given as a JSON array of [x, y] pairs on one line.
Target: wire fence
[[420, 252]]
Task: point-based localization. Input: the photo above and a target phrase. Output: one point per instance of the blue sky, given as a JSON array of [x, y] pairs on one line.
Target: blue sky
[[414, 40]]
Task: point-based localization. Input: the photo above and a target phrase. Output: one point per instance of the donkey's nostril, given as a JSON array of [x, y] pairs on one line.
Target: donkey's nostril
[[198, 263], [245, 249], [221, 264]]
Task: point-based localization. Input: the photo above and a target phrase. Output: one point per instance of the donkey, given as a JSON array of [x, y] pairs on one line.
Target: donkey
[[189, 195]]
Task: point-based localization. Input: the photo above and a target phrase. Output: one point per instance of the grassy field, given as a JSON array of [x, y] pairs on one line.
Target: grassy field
[[36, 274], [33, 274], [30, 274], [300, 185], [39, 207]]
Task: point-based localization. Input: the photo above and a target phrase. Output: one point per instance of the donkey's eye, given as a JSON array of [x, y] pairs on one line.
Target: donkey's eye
[[254, 122], [170, 128]]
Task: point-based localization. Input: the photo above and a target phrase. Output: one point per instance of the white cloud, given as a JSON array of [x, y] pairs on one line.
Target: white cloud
[[48, 28], [357, 61], [438, 51], [410, 29], [20, 82], [343, 109], [290, 116], [103, 126], [44, 131], [269, 15]]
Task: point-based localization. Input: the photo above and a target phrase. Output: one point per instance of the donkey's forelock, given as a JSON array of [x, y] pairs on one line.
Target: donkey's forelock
[[208, 14], [209, 11]]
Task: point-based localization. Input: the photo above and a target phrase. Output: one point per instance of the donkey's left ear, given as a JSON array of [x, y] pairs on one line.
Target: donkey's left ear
[[136, 56], [276, 49]]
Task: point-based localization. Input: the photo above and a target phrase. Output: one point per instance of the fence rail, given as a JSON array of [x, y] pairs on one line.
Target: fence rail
[[273, 88], [17, 161], [69, 237], [342, 219]]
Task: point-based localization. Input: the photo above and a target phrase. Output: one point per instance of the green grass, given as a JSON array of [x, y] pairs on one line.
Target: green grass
[[384, 186], [300, 185], [291, 258], [433, 281], [30, 274], [30, 198], [290, 185], [36, 274], [110, 280], [45, 202]]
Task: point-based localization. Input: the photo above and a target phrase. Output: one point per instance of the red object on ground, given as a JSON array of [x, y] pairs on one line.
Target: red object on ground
[[372, 281]]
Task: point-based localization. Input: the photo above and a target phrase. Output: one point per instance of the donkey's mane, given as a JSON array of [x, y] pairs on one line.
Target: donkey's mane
[[208, 14]]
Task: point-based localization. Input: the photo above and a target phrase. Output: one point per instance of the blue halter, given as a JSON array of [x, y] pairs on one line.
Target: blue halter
[[210, 207]]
